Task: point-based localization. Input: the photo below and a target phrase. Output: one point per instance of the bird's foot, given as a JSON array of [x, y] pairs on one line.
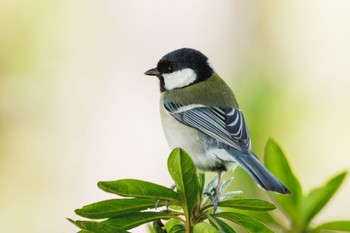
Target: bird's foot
[[214, 197], [173, 186]]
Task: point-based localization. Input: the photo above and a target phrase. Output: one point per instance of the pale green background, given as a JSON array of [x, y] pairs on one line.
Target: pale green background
[[75, 107]]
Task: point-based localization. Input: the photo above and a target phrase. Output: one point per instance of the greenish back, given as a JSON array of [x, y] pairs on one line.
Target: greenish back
[[204, 93]]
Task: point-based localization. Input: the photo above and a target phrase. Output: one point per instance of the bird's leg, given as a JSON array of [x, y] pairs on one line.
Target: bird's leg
[[173, 186], [218, 189], [215, 194]]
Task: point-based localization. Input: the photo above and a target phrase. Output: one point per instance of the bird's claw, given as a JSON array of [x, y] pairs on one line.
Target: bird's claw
[[213, 196], [166, 202], [157, 204]]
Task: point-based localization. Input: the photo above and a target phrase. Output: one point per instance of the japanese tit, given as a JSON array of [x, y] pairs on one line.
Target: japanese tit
[[200, 114]]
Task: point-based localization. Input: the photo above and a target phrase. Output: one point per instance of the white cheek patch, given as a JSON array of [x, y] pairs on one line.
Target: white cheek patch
[[180, 78]]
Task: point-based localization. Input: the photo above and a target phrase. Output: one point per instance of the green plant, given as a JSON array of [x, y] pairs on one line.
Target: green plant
[[297, 208], [188, 210]]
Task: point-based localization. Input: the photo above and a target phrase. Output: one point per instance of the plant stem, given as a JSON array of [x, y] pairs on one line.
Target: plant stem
[[188, 227]]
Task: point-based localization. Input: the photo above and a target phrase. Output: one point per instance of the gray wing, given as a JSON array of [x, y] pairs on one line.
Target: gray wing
[[225, 125], [236, 126]]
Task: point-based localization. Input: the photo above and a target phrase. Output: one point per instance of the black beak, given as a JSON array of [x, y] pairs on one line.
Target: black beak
[[153, 72]]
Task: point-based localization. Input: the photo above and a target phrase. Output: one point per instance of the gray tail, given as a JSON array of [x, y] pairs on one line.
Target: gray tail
[[262, 176]]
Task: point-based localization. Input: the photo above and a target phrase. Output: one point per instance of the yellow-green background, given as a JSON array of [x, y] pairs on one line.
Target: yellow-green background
[[75, 107]]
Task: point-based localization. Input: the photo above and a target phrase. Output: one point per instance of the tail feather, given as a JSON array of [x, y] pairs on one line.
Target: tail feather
[[262, 176]]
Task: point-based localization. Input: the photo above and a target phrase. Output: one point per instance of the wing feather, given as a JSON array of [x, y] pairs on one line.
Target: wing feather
[[236, 125], [225, 125]]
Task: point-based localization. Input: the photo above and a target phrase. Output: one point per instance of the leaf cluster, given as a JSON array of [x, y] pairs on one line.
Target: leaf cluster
[[183, 210], [298, 208], [188, 210]]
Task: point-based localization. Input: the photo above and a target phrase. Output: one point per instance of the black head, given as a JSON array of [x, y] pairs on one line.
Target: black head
[[181, 68]]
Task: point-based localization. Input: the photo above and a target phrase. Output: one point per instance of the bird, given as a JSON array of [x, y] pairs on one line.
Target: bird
[[200, 114]]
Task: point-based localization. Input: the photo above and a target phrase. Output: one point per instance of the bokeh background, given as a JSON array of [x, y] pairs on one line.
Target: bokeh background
[[75, 107]]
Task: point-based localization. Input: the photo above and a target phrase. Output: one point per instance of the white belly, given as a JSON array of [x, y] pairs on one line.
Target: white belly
[[192, 141]]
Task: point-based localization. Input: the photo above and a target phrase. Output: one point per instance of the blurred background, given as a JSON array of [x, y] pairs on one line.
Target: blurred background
[[75, 107]]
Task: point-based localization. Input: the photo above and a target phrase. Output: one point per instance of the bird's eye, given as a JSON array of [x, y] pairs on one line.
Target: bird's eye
[[165, 67], [169, 69]]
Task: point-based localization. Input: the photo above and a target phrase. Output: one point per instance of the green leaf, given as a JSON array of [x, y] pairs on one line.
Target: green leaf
[[150, 228], [201, 182], [75, 224], [249, 223], [183, 172], [274, 221], [225, 184], [139, 188], [130, 221], [319, 197], [334, 226], [213, 183], [97, 227], [229, 195], [177, 228], [220, 225], [248, 204], [277, 163], [115, 207], [84, 231], [204, 227], [171, 223]]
